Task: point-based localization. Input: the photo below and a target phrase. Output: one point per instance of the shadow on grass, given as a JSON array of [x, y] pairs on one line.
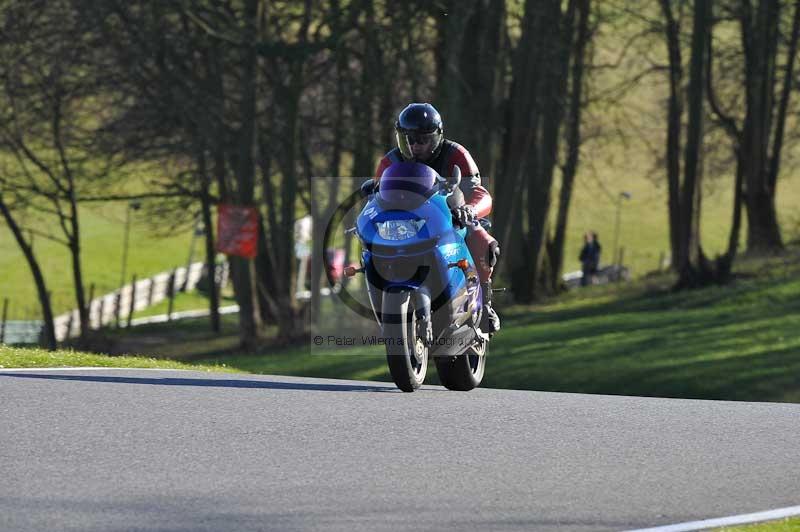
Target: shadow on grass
[[703, 364], [736, 343], [213, 383], [621, 332], [659, 300]]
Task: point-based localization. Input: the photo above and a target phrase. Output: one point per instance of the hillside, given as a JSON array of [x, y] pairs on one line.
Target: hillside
[[103, 229], [736, 342]]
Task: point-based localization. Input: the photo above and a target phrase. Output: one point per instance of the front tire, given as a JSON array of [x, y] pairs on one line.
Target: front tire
[[406, 352], [463, 372]]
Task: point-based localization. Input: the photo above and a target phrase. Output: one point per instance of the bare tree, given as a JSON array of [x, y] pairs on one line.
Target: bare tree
[[192, 83], [535, 116], [25, 244], [765, 112], [573, 143], [760, 137], [684, 190], [53, 107]]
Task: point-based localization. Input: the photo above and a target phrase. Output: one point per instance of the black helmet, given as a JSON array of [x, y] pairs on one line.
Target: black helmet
[[419, 123]]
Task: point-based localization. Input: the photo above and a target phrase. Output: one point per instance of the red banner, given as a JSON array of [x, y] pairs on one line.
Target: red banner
[[237, 230]]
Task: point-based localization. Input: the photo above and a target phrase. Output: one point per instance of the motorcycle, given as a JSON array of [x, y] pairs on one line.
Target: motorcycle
[[422, 282]]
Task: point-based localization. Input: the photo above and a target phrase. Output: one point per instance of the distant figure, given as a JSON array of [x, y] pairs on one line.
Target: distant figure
[[597, 249], [589, 257]]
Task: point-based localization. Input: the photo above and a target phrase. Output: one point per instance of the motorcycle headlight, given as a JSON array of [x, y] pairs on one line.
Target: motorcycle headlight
[[399, 229]]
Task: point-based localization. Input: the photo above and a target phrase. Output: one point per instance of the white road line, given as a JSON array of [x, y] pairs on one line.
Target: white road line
[[91, 368], [743, 519]]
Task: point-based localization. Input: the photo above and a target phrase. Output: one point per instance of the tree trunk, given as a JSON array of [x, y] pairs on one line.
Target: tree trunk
[[482, 67], [74, 238], [211, 253], [674, 114], [270, 237], [80, 297], [573, 146], [364, 100], [283, 291], [243, 270], [452, 85], [557, 33], [725, 261], [519, 151], [530, 152], [763, 231], [70, 223], [318, 223], [690, 260], [760, 36], [786, 91], [287, 306], [49, 334]]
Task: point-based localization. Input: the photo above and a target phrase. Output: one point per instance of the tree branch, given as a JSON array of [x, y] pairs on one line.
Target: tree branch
[[727, 122], [775, 160]]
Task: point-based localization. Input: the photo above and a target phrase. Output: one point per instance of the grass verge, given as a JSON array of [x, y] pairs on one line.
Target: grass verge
[[785, 525], [17, 357]]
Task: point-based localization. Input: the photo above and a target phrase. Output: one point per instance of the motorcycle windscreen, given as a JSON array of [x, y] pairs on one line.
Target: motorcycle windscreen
[[406, 193]]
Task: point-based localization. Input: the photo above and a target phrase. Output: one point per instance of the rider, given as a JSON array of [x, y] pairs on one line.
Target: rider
[[420, 138]]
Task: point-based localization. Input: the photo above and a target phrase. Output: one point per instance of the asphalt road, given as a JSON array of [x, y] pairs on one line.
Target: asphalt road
[[113, 450]]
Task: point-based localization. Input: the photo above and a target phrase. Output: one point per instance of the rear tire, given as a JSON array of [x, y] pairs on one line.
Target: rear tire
[[463, 372], [406, 353]]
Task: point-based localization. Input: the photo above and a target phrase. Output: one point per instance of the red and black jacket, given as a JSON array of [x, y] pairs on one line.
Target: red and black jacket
[[450, 155]]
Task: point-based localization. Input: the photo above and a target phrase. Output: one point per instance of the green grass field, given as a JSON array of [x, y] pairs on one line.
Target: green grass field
[[784, 525], [17, 357], [102, 247], [193, 300]]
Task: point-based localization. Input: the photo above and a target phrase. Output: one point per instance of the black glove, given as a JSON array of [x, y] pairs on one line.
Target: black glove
[[463, 215], [368, 187]]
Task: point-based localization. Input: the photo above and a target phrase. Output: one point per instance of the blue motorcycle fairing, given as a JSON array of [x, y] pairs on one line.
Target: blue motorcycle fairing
[[437, 234], [435, 212], [422, 259]]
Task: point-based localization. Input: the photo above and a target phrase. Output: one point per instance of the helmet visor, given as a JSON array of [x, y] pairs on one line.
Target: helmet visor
[[420, 146]]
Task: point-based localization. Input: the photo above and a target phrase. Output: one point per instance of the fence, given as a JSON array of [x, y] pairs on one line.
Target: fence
[[116, 307], [20, 331]]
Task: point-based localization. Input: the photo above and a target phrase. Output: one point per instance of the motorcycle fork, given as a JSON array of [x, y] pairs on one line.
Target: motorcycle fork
[[424, 325]]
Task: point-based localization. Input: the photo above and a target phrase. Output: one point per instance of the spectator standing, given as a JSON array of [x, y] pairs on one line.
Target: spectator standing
[[589, 257]]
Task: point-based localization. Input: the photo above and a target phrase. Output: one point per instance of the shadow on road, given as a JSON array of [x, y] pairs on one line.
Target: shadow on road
[[214, 383]]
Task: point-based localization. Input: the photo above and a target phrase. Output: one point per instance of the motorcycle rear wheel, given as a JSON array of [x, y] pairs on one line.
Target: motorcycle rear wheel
[[406, 353], [463, 372]]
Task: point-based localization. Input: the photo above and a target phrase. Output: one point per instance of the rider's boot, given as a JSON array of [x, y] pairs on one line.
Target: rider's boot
[[490, 321]]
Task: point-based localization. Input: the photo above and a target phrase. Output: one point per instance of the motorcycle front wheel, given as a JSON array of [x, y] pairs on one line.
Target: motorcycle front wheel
[[406, 352]]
